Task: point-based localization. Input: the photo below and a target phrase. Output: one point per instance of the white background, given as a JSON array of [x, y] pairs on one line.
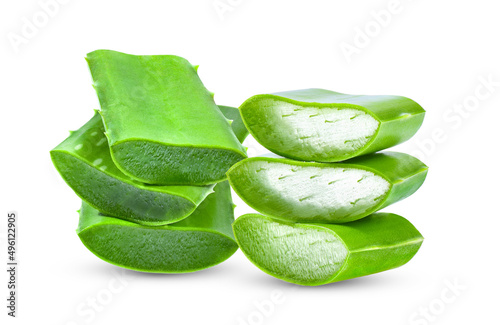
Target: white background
[[435, 52]]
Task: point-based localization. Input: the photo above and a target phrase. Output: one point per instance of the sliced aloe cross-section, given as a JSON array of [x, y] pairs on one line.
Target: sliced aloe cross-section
[[84, 162], [162, 124], [326, 192], [315, 254], [326, 126], [201, 240]]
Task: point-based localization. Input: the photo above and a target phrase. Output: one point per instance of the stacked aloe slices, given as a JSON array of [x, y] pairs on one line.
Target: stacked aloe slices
[[151, 169], [319, 199], [150, 166]]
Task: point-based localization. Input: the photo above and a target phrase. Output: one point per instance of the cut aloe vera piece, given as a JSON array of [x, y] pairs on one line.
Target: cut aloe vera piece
[[326, 192], [233, 114], [200, 241], [162, 124], [326, 126], [315, 254], [85, 163]]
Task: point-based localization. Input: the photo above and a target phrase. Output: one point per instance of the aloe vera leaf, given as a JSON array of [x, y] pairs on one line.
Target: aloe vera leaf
[[326, 126], [233, 114], [85, 163], [326, 192], [162, 124], [237, 125], [202, 240], [316, 254]]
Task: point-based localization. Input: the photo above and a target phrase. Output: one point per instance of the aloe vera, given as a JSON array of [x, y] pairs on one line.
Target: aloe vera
[[326, 126], [233, 114], [326, 192], [162, 124], [316, 254], [84, 162], [200, 241]]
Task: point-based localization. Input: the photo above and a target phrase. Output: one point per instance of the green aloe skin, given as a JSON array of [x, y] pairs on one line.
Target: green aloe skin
[[202, 240], [316, 254], [233, 114], [84, 162], [162, 124], [326, 192], [326, 126]]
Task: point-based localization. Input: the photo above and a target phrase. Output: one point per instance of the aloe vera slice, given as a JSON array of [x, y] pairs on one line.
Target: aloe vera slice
[[326, 192], [201, 240], [316, 254], [85, 163], [326, 126], [233, 114], [162, 124]]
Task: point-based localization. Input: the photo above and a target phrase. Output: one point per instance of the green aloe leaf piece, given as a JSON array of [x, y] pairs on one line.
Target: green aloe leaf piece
[[162, 124], [326, 192], [202, 240], [85, 163], [316, 254], [233, 114], [326, 126]]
